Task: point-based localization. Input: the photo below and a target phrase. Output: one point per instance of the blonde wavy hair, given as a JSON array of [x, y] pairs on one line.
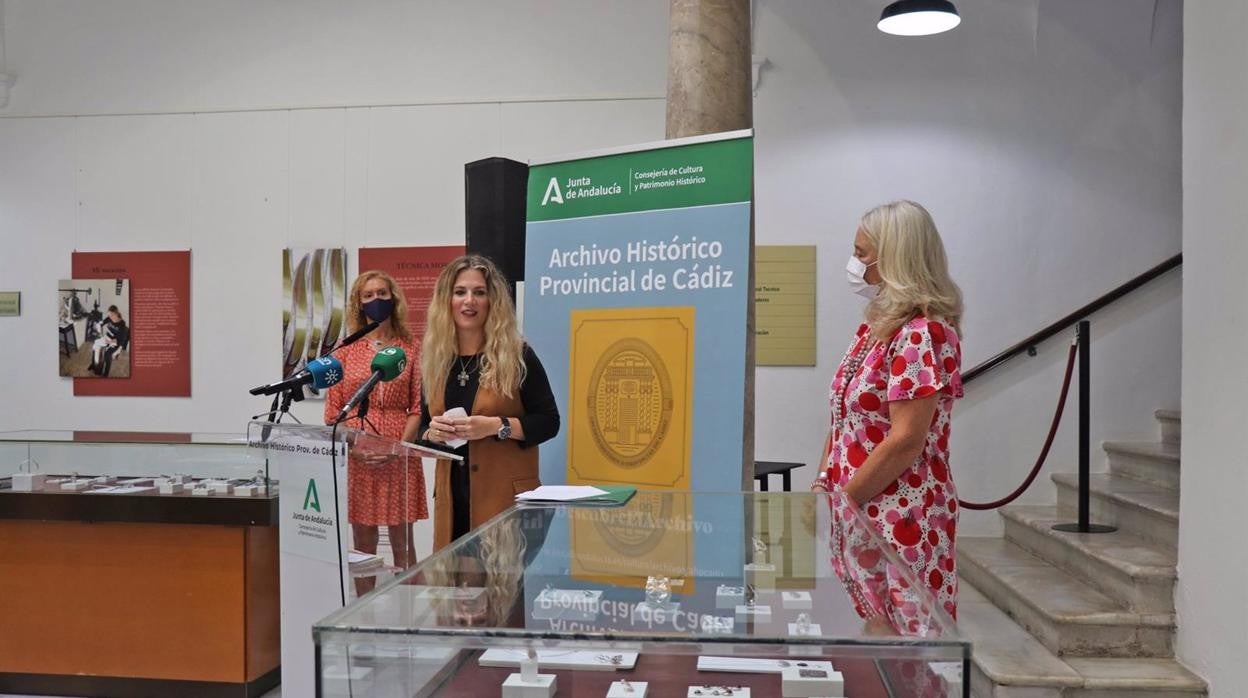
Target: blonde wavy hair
[[355, 309], [496, 565], [502, 357], [913, 267]]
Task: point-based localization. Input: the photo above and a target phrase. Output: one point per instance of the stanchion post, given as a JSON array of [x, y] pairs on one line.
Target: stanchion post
[[1085, 525]]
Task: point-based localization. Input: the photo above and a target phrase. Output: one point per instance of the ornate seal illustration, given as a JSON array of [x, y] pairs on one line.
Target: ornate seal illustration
[[630, 402]]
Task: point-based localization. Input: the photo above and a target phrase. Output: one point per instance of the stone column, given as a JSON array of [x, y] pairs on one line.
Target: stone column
[[709, 91], [708, 67]]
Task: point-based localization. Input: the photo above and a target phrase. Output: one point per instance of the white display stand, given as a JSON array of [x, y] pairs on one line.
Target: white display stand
[[312, 523], [796, 600], [802, 682], [542, 686], [631, 689]]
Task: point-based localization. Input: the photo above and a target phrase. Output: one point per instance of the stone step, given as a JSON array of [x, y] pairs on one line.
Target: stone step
[[1007, 662], [1138, 507], [1064, 614], [1136, 572], [1005, 658], [1156, 461], [1171, 425]]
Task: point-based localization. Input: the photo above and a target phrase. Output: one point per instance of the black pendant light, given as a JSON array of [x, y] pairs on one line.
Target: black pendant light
[[918, 17]]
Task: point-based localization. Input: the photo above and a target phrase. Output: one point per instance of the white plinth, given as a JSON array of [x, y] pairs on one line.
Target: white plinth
[[717, 625], [661, 613], [202, 492], [222, 488], [709, 692], [811, 629], [170, 487], [567, 604], [758, 614], [249, 491], [75, 485], [621, 690], [761, 574], [28, 482], [796, 600], [729, 596], [516, 687], [799, 682]]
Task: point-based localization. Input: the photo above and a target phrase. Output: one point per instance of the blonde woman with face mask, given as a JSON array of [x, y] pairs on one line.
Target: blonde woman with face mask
[[891, 402]]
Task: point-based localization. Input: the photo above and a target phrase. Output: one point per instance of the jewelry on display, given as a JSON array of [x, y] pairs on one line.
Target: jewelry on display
[[803, 623], [658, 590]]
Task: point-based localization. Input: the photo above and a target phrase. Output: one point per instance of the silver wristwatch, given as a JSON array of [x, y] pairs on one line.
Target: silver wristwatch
[[504, 432]]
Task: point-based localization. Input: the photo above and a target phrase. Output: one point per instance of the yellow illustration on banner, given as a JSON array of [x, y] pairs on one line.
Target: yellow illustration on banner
[[630, 407], [655, 526], [630, 417]]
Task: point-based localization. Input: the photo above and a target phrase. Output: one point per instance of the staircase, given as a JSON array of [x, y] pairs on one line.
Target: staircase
[[1067, 615]]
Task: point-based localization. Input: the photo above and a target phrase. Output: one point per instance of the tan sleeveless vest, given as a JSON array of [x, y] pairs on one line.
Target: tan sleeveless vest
[[497, 470]]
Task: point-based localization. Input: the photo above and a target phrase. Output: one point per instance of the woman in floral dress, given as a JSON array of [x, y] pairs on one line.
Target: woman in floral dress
[[891, 402]]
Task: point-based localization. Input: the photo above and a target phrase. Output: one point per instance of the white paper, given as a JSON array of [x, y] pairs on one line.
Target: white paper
[[746, 665], [356, 557], [559, 493], [453, 413], [561, 659]]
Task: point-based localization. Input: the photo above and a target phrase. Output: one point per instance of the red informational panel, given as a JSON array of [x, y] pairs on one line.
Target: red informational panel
[[415, 270], [160, 322]]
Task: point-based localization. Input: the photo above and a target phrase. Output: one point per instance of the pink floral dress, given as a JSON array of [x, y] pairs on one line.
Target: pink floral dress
[[918, 513]]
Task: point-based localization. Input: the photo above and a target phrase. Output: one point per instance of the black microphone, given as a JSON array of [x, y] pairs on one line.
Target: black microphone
[[387, 365], [357, 335]]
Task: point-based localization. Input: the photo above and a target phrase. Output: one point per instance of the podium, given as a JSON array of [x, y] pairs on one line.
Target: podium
[[307, 465]]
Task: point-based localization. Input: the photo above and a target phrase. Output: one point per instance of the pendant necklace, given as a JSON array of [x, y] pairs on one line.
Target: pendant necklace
[[463, 370]]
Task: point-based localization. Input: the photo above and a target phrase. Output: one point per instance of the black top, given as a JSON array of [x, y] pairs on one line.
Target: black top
[[540, 421]]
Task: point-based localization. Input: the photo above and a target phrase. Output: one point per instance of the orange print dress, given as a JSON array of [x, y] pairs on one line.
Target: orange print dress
[[390, 493]]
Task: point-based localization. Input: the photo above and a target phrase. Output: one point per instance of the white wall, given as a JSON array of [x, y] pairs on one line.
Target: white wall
[[1213, 562], [1044, 136]]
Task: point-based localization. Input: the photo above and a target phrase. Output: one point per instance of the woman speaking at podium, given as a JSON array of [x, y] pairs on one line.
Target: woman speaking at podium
[[381, 492], [475, 359]]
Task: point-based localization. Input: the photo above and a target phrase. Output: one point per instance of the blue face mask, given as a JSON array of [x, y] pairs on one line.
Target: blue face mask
[[379, 309]]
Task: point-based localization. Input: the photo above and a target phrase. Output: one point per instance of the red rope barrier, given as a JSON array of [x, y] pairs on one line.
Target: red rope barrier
[[1044, 452]]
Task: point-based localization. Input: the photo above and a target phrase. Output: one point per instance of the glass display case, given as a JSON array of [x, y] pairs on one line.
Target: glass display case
[[181, 526], [109, 457], [671, 594]]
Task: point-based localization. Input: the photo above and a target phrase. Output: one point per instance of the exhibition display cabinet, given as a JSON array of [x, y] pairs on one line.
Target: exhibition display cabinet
[[137, 564], [671, 594]]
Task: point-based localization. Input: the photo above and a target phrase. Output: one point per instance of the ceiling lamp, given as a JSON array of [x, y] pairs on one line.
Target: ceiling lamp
[[918, 17]]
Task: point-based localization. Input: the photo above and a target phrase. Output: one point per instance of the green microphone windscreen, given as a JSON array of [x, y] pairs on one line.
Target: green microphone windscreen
[[390, 361]]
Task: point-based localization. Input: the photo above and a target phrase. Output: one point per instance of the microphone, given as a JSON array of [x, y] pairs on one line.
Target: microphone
[[321, 373], [386, 366], [355, 336]]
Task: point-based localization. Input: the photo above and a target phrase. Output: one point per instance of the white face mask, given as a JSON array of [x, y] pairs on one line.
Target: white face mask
[[856, 275]]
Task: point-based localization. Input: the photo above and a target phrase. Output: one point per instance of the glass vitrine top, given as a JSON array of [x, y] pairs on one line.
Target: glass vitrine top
[[122, 437], [784, 568]]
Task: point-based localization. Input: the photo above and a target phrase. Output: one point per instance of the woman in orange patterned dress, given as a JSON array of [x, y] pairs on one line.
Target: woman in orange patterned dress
[[381, 491]]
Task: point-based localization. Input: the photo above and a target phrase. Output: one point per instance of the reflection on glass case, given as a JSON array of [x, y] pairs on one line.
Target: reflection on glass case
[[671, 594]]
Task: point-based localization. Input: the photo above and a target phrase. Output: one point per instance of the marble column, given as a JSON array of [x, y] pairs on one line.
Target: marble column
[[708, 67], [709, 91]]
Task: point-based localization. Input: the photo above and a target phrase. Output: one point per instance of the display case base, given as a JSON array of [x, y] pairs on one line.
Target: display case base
[[126, 687]]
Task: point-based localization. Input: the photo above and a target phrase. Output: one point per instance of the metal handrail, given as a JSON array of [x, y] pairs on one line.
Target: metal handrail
[[1073, 318]]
